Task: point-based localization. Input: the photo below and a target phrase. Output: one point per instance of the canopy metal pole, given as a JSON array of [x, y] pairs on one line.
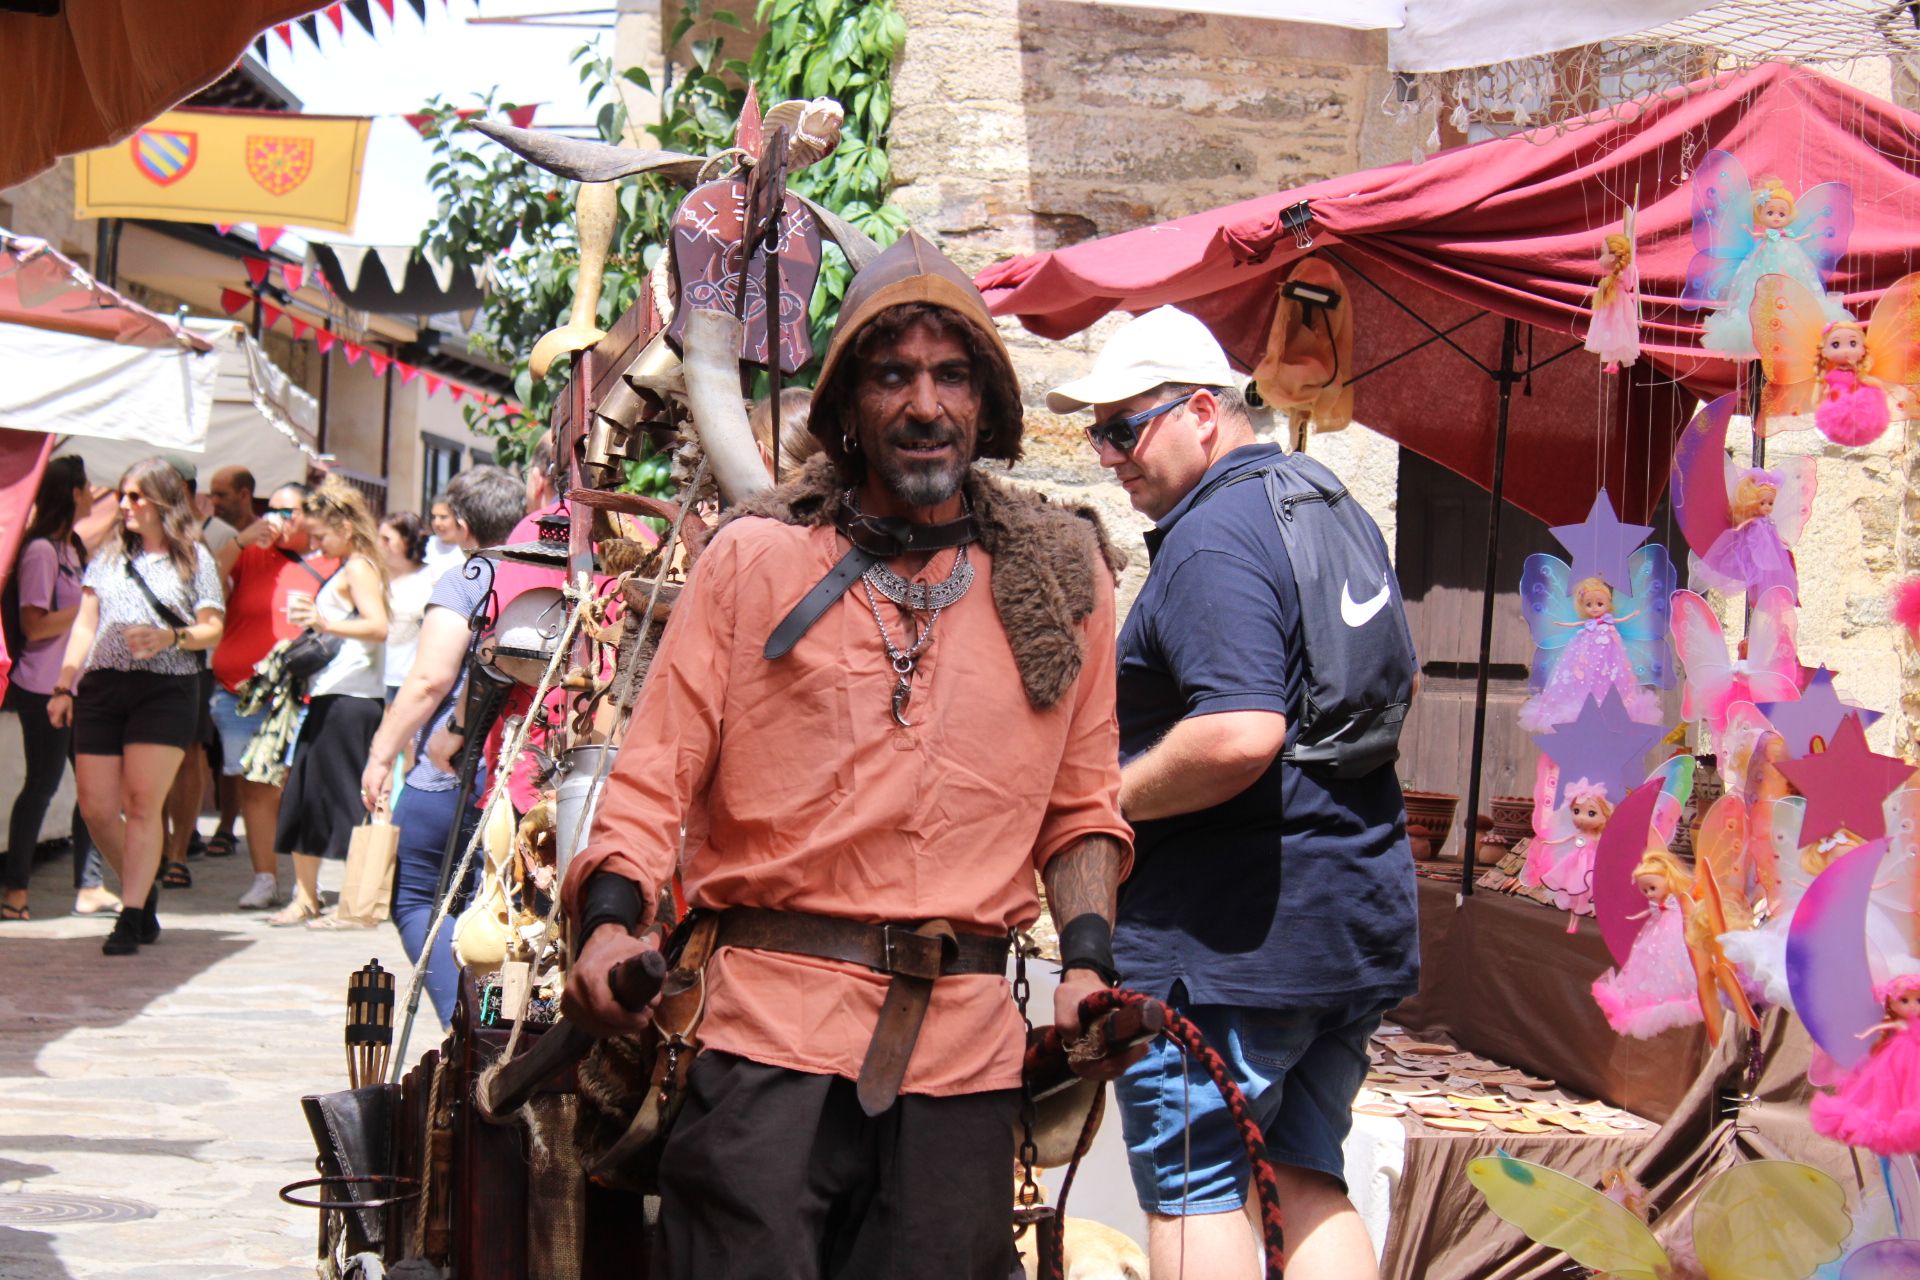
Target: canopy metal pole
[[1505, 377]]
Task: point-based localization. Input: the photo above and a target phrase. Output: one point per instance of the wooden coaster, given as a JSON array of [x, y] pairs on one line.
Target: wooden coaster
[[1462, 1123], [1387, 1109]]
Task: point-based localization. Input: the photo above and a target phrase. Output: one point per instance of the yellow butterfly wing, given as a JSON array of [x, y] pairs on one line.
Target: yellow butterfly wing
[[1893, 343], [1560, 1213], [1769, 1220], [1722, 845], [1787, 320]]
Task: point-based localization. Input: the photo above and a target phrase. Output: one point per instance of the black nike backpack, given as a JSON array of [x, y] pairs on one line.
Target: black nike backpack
[[1358, 658]]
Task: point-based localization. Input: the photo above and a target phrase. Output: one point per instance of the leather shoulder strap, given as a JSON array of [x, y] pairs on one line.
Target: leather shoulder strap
[[802, 616]]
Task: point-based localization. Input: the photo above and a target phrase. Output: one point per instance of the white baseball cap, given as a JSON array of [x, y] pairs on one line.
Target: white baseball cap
[[1164, 345]]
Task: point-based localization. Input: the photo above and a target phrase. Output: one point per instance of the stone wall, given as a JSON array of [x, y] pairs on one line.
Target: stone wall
[[1027, 125]]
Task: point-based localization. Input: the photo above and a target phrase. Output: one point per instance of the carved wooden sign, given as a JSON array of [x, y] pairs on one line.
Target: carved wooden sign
[[707, 232]]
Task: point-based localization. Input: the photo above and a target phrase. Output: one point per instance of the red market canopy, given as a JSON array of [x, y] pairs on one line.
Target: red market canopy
[[1511, 229], [41, 289]]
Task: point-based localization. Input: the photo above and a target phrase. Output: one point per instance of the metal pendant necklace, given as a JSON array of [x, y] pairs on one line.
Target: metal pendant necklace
[[930, 598]]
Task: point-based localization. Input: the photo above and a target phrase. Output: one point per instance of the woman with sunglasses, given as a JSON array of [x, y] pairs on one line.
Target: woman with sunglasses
[[150, 608]]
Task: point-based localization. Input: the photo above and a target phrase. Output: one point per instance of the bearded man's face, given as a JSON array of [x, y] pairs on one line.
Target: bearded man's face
[[918, 412]]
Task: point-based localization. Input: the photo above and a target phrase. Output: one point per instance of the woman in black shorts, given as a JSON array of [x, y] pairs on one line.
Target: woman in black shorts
[[150, 608]]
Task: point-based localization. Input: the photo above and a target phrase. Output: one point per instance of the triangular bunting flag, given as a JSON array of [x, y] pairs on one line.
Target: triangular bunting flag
[[394, 258], [294, 276], [455, 390], [223, 227], [354, 351], [257, 269], [232, 300], [433, 385], [352, 258], [419, 7], [323, 339], [285, 32], [422, 123], [270, 315], [378, 363], [408, 372], [388, 6], [301, 329], [311, 25], [362, 11], [267, 237], [441, 268], [337, 16], [260, 47], [522, 117]]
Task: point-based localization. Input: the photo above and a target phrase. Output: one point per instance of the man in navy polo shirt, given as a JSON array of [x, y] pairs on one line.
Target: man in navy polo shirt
[[1272, 905]]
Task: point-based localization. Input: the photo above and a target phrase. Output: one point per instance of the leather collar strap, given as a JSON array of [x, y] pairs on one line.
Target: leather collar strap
[[874, 538]]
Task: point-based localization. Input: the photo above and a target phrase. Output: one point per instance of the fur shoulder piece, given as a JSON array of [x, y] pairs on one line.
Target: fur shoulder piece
[[1043, 564]]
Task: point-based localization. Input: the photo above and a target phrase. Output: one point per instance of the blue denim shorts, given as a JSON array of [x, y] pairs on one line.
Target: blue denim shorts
[[235, 730], [1299, 1069]]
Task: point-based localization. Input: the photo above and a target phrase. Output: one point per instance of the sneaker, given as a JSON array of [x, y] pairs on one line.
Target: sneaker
[[263, 893], [125, 938]]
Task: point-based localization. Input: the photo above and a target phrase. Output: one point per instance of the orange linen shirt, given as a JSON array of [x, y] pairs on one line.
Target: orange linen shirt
[[799, 792]]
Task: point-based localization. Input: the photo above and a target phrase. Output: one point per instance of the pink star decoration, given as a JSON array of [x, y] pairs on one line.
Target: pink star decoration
[[1845, 784]]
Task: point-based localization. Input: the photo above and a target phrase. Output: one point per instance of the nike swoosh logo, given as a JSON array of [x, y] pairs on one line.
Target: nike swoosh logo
[[1356, 614]]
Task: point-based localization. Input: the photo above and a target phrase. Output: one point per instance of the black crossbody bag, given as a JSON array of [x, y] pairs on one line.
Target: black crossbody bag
[[167, 613], [310, 652]]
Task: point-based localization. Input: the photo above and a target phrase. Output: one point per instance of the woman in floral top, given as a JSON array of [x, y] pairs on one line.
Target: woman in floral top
[[150, 607]]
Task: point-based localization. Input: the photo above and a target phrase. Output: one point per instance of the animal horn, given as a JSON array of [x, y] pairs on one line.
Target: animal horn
[[590, 161], [710, 361]]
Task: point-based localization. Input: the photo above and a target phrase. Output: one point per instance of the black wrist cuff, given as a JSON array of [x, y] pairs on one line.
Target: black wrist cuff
[[608, 899], [1086, 942]]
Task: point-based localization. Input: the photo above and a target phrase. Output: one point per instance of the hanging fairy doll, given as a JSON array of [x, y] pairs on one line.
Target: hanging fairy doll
[[1614, 333], [1854, 378], [1878, 1103], [1591, 638], [1743, 232], [1676, 973], [1560, 856]]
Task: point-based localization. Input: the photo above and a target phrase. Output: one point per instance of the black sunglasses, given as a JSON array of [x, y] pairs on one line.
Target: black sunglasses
[[1124, 433]]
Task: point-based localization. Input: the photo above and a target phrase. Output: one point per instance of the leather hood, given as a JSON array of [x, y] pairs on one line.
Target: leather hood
[[911, 270]]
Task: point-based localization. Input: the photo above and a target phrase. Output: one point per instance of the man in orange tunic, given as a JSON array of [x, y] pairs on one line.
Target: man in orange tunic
[[869, 772]]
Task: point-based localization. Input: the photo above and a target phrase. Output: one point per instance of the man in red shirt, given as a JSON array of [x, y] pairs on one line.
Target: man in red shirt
[[264, 565], [862, 802]]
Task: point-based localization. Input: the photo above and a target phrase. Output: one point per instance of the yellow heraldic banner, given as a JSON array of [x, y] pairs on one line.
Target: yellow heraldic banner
[[271, 168]]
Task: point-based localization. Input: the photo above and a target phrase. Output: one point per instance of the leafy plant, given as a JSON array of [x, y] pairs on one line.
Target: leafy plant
[[497, 209]]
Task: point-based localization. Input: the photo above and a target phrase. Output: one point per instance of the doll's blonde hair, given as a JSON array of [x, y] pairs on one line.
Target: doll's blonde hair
[[1661, 863], [1595, 583], [1769, 189], [1746, 495], [1582, 789], [1622, 250], [1820, 365]]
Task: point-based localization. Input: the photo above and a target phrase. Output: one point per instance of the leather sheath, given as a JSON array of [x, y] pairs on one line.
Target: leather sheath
[[915, 956]]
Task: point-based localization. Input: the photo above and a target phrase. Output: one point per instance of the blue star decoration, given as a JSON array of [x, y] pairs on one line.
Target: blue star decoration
[[1602, 744], [1600, 544], [1845, 785], [1815, 717]]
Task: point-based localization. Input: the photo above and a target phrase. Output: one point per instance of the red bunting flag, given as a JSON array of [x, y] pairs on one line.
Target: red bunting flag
[[267, 237], [408, 372], [388, 6], [338, 17], [294, 276], [285, 32], [232, 300], [378, 363], [522, 117], [422, 123], [323, 339], [257, 269], [433, 385], [223, 227], [354, 351], [300, 329], [455, 390], [270, 314]]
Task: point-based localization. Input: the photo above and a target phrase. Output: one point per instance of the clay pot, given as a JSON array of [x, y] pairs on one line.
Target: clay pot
[[1429, 822], [1512, 817]]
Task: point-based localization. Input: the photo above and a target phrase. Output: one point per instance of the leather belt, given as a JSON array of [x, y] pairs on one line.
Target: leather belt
[[914, 955]]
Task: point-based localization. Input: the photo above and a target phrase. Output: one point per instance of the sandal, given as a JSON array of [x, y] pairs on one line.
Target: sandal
[[10, 912], [221, 846], [176, 876], [295, 912]]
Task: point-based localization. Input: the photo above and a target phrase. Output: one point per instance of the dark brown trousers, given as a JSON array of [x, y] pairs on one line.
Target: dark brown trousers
[[773, 1174]]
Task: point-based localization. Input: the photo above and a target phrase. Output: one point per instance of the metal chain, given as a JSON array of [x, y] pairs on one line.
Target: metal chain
[[922, 596], [1029, 1193]]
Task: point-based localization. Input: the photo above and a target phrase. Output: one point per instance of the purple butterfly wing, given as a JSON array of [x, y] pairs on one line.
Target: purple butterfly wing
[[1699, 476], [1722, 228], [1894, 1258], [1827, 968], [1651, 580], [1825, 216], [1546, 596]]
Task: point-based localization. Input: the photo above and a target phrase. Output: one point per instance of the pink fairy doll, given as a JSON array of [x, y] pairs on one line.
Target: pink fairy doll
[[1655, 990], [1878, 1104], [1854, 378], [1560, 858], [1585, 647], [1614, 334], [1752, 555]]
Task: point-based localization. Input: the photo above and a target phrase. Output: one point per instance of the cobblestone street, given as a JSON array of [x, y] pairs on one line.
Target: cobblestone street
[[149, 1106]]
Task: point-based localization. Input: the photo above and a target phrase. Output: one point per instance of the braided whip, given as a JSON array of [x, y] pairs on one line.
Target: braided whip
[[1188, 1037]]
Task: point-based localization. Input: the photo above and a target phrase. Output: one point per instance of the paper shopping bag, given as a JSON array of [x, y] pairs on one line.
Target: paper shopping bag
[[367, 890]]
